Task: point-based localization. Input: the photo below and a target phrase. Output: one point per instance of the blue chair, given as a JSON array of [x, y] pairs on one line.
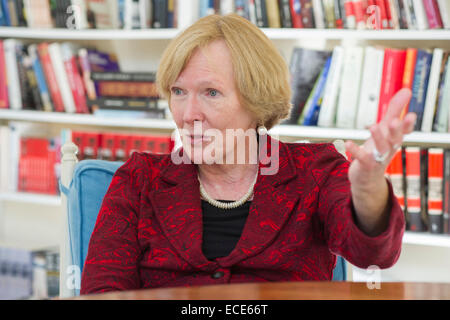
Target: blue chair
[[88, 185]]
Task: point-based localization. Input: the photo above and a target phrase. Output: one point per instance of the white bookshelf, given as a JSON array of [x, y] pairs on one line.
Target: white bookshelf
[[31, 198], [426, 239], [290, 131]]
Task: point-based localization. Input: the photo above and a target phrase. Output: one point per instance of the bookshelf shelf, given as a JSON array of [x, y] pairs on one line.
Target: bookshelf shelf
[[31, 198], [436, 240], [90, 34], [291, 131], [272, 33]]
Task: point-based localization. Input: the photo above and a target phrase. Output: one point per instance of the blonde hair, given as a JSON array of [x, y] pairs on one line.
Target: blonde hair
[[261, 74]]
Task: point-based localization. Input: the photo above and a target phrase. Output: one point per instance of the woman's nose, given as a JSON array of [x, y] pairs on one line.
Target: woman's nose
[[192, 110]]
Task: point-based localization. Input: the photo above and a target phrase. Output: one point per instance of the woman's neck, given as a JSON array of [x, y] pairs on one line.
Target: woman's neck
[[227, 181]]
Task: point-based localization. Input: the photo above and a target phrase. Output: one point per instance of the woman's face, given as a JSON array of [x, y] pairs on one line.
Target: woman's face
[[204, 102]]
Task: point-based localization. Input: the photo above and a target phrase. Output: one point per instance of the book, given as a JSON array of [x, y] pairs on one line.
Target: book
[[261, 13], [38, 13], [328, 108], [304, 67], [14, 90], [85, 68], [160, 12], [410, 14], [145, 14], [432, 90], [285, 13], [446, 192], [124, 76], [49, 73], [56, 57], [328, 9], [40, 78], [384, 22], [421, 18], [394, 12], [435, 190], [350, 17], [132, 15], [444, 11], [443, 107], [124, 104], [339, 14], [347, 105], [420, 85], [4, 100], [408, 73], [403, 22], [100, 61], [273, 15], [393, 67], [395, 172], [33, 89], [296, 17], [311, 113], [319, 18], [432, 14], [413, 189], [25, 90], [104, 13], [370, 87], [307, 14], [74, 78], [126, 89], [359, 14]]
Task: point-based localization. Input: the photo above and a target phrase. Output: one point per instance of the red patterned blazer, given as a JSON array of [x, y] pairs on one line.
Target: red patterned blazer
[[149, 229]]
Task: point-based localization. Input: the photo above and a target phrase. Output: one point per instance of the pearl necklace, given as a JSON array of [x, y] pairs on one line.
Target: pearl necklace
[[225, 205]]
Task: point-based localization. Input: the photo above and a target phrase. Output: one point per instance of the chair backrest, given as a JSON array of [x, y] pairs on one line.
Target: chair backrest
[[83, 194]]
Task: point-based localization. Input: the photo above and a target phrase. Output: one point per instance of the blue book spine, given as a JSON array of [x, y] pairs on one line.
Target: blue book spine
[[6, 13], [203, 6], [2, 17], [40, 79], [313, 113], [420, 85]]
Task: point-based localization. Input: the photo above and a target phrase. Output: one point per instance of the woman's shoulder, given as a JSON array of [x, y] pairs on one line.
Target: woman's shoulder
[[144, 166], [312, 150]]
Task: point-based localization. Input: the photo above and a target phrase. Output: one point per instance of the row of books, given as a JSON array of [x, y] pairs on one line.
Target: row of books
[[351, 87], [64, 78], [421, 181], [30, 155], [26, 274], [349, 14], [84, 14]]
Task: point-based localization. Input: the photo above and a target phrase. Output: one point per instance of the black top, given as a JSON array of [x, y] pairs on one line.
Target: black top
[[222, 228]]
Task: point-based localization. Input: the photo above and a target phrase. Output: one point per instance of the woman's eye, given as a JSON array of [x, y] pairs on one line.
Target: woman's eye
[[213, 92], [177, 91]]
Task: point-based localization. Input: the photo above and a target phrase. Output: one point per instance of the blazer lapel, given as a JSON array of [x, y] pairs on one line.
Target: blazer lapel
[[275, 197], [178, 209]]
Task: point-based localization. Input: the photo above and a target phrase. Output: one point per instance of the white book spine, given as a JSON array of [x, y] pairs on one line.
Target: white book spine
[[444, 10], [444, 112], [14, 143], [14, 94], [407, 4], [370, 87], [54, 50], [318, 14], [227, 6], [187, 13], [433, 83], [419, 10], [252, 11], [27, 7], [144, 11], [349, 89], [328, 109]]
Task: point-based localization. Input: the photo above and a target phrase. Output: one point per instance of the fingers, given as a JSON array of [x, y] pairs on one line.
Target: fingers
[[397, 103]]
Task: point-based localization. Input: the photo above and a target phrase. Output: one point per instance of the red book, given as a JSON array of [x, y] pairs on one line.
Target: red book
[[395, 172], [359, 14], [107, 147], [383, 14], [91, 145], [165, 145], [387, 6], [295, 15], [151, 144], [137, 143], [307, 13], [78, 140], [433, 14], [413, 188], [435, 190], [50, 77], [122, 144], [392, 79], [75, 81], [4, 101], [350, 14]]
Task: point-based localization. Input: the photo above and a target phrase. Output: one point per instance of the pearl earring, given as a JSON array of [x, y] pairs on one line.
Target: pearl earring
[[262, 130]]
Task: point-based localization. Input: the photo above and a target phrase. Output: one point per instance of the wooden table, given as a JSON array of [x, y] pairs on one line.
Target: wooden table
[[289, 291]]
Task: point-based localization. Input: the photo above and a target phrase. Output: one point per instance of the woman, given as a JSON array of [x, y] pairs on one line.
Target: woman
[[208, 214]]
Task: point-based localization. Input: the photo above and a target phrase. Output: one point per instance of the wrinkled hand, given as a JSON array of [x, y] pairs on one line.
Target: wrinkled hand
[[386, 137]]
